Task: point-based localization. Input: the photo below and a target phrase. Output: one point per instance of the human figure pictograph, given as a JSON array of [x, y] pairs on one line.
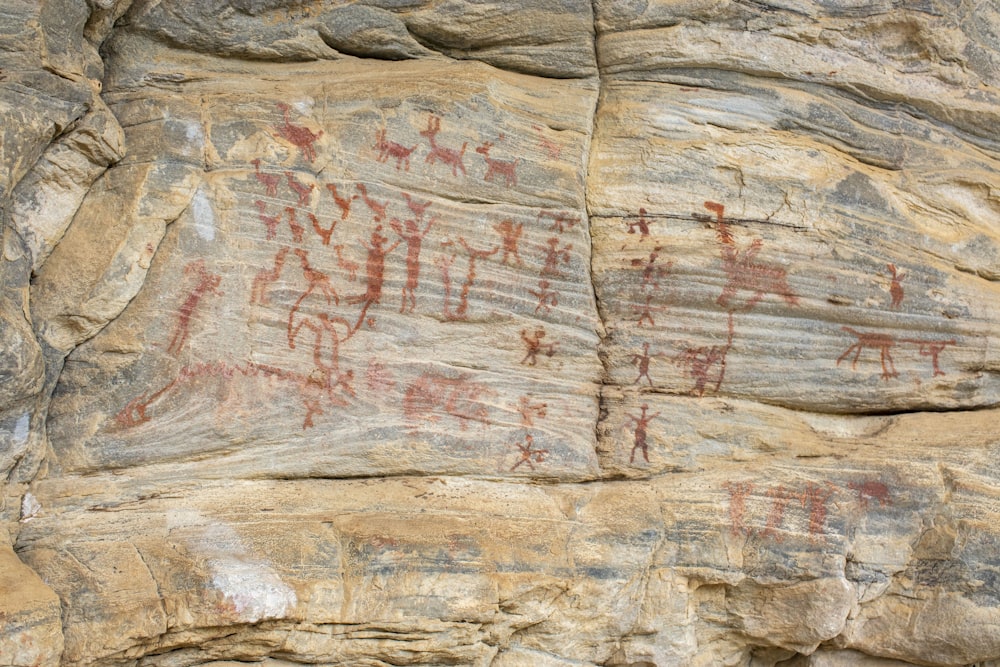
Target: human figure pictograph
[[534, 346], [410, 232], [640, 434], [206, 283]]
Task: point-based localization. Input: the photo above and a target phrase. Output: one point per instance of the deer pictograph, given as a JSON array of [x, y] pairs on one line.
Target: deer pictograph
[[448, 156], [303, 190], [390, 149], [494, 168], [269, 181], [297, 135], [875, 341]]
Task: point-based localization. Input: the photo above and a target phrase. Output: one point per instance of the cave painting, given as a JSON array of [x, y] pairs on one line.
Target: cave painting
[[447, 156], [534, 346], [390, 149], [528, 454], [298, 136], [883, 343], [206, 283], [498, 168], [640, 434], [812, 502]]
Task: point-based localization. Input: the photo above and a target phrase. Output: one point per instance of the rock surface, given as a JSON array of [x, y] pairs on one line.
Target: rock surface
[[507, 334]]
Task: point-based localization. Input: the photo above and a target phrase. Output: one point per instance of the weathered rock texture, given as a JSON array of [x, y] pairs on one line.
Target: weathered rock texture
[[491, 333]]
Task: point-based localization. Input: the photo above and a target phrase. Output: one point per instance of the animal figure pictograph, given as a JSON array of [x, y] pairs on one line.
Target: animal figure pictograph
[[447, 156], [895, 286], [269, 181], [302, 190], [390, 149], [507, 169], [343, 203], [206, 282], [297, 135], [875, 341]]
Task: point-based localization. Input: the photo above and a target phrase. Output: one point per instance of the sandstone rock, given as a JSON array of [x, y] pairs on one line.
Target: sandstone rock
[[501, 334]]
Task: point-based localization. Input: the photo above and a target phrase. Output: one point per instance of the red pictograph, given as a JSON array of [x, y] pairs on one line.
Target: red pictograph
[[554, 256], [297, 135], [410, 232], [640, 224], [561, 220], [206, 283], [374, 272], [507, 169], [531, 410], [343, 203], [447, 156], [390, 149], [652, 273], [815, 497], [640, 433], [265, 277], [870, 490], [875, 341], [302, 190], [271, 222], [642, 361], [510, 236], [474, 255], [269, 181], [706, 364], [896, 287], [932, 348], [547, 298], [743, 272], [433, 394], [738, 493], [375, 206], [534, 346], [528, 454], [646, 310]]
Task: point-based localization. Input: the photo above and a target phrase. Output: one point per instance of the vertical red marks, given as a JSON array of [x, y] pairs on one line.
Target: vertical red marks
[[343, 203], [297, 135], [457, 397], [738, 492], [390, 149], [346, 264], [879, 341], [561, 221], [745, 274], [269, 181], [271, 222], [264, 278], [510, 236], [815, 498], [534, 346], [780, 498], [414, 239], [505, 168], [528, 454], [377, 208], [206, 282], [302, 190], [870, 490], [374, 270], [530, 410], [463, 300], [448, 156], [895, 288], [641, 422], [554, 256], [641, 361], [378, 378], [547, 299], [641, 224]]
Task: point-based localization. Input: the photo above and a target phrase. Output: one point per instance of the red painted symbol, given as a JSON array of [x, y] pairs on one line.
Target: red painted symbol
[[651, 272], [642, 362], [529, 455], [932, 348], [646, 311], [554, 256], [463, 301], [504, 168], [547, 299], [417, 207], [207, 282], [457, 397], [343, 203], [510, 235], [448, 156], [346, 264], [534, 346], [414, 239], [269, 181], [738, 492], [271, 222], [743, 273], [531, 410], [561, 221], [377, 208], [324, 233], [875, 341], [815, 498], [641, 423], [641, 224], [374, 269], [298, 135], [304, 191], [390, 149], [870, 490], [265, 277], [895, 288]]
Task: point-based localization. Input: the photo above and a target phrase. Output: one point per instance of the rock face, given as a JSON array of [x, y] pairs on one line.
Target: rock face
[[471, 333]]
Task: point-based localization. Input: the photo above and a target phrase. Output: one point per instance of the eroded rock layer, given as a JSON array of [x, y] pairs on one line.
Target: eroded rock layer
[[472, 333]]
